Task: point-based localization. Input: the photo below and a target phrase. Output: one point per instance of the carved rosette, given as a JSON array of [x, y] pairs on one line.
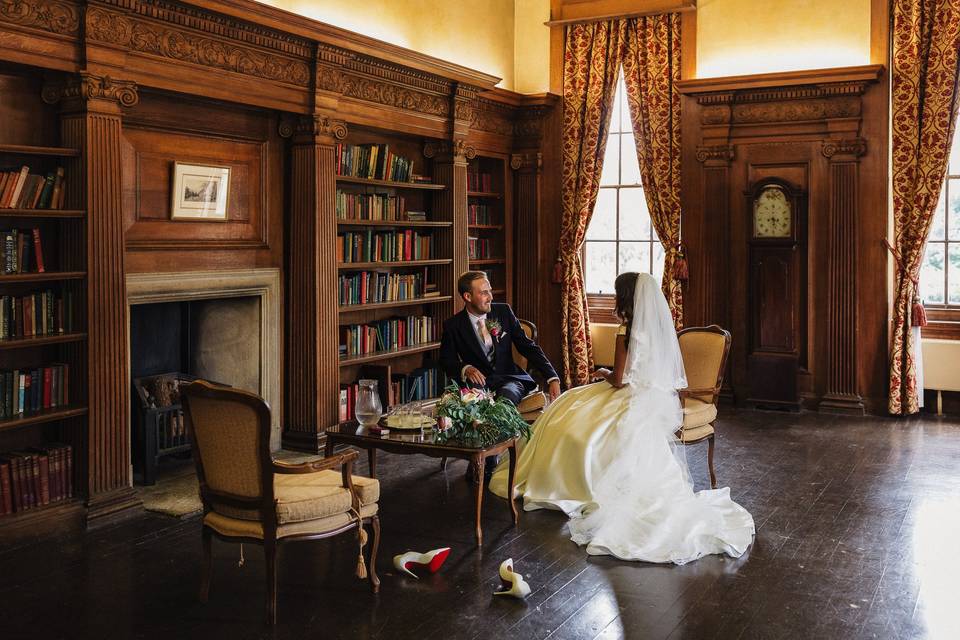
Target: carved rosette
[[854, 147], [719, 153], [55, 17], [526, 162], [89, 87], [450, 150]]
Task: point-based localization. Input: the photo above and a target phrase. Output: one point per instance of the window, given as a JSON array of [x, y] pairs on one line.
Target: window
[[940, 271], [620, 236]]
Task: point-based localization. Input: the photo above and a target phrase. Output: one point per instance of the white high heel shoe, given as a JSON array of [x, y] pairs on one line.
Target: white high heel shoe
[[431, 559], [518, 586]]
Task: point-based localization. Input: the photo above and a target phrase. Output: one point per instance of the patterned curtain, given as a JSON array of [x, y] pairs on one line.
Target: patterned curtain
[[651, 70], [590, 66], [926, 38]]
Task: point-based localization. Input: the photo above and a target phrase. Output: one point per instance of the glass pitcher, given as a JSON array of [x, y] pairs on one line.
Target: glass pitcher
[[368, 409]]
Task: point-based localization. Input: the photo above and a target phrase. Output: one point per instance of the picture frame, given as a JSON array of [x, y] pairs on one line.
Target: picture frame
[[200, 192]]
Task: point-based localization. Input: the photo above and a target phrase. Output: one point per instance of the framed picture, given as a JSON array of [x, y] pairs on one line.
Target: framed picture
[[199, 192]]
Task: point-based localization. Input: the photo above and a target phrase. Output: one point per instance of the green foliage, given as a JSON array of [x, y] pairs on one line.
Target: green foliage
[[479, 419]]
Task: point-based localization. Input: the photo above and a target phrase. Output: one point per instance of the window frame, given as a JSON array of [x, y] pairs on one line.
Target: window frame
[[943, 319]]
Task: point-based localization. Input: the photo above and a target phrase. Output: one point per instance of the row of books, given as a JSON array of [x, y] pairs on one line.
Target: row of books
[[374, 161], [28, 390], [477, 181], [20, 189], [43, 313], [35, 477], [370, 206], [383, 246], [480, 214], [386, 335], [372, 287], [21, 251], [421, 384], [478, 248]]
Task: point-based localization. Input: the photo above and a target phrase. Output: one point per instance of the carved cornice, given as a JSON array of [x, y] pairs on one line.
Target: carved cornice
[[166, 41], [782, 104], [530, 122], [493, 117], [447, 150], [393, 95], [88, 86], [797, 110], [527, 162], [55, 17], [722, 153], [780, 94], [854, 147]]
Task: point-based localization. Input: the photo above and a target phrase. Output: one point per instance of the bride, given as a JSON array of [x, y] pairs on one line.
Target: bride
[[606, 454]]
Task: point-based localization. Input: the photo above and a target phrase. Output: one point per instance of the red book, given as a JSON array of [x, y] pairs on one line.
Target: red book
[[6, 499], [43, 466], [38, 249]]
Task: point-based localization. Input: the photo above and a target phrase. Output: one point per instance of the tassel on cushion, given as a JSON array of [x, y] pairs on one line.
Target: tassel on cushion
[[362, 539]]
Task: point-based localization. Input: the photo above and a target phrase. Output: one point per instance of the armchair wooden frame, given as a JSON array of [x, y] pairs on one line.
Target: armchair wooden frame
[[707, 394], [265, 504]]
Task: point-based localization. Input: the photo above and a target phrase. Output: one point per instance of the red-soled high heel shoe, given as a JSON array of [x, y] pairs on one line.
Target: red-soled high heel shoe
[[432, 560]]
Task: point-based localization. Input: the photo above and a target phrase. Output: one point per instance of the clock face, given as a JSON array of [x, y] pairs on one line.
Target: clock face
[[772, 217]]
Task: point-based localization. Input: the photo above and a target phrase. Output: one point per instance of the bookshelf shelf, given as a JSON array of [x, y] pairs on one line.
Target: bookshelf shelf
[[383, 355], [486, 227], [39, 341], [43, 213], [487, 261], [342, 222], [396, 303], [390, 183], [60, 510], [30, 150], [45, 415], [484, 194], [46, 276], [499, 292], [347, 266]]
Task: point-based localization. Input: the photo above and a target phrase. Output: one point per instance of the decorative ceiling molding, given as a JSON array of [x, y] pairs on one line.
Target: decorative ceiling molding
[[53, 16]]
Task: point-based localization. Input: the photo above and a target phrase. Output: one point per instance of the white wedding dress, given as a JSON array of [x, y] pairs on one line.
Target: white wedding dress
[[609, 459]]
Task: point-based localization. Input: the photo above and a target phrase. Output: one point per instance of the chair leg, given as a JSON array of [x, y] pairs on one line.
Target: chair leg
[[270, 555], [443, 464], [206, 568], [713, 477], [374, 545]]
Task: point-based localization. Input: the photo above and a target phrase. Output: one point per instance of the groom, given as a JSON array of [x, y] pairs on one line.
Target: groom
[[476, 347]]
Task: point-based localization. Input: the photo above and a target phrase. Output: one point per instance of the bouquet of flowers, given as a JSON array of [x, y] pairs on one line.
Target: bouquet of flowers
[[475, 416]]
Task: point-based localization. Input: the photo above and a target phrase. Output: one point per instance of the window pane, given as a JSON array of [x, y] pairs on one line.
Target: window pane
[[611, 161], [623, 109], [601, 266], [634, 256], [658, 261], [954, 168], [953, 215], [629, 165], [937, 228], [953, 273], [634, 216], [931, 275], [603, 224]]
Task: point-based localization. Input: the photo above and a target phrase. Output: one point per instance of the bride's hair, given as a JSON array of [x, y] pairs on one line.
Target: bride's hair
[[625, 285]]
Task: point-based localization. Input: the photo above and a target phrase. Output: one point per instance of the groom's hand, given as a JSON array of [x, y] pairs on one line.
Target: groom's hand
[[473, 375], [554, 390]]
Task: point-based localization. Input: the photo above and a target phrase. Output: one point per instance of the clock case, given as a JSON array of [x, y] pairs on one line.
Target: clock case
[[777, 305]]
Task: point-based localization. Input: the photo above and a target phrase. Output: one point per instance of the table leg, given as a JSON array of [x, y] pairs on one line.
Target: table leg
[[372, 461], [512, 475], [478, 483]]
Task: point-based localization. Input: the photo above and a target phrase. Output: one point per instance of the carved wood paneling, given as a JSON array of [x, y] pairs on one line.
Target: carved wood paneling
[[527, 249]]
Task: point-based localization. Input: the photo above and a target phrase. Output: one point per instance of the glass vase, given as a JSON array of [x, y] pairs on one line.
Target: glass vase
[[369, 409]]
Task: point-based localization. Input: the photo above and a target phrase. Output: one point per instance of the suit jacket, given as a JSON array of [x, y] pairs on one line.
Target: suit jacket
[[460, 346]]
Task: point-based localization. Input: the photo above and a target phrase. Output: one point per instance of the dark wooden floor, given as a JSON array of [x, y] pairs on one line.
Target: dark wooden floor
[[858, 523]]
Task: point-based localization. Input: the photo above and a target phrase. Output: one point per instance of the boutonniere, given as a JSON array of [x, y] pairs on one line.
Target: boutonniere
[[494, 328]]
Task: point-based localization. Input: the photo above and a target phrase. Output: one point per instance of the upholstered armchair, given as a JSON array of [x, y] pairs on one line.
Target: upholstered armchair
[[704, 351], [532, 404], [249, 497]]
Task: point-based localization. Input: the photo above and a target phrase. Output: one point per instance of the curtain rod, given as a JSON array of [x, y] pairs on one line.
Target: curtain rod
[[688, 6]]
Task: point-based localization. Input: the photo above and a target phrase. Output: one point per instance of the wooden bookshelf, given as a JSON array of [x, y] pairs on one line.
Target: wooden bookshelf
[[390, 183], [437, 224], [41, 417], [486, 262], [43, 213], [486, 227], [39, 341], [484, 194], [46, 276], [30, 150], [373, 306], [360, 266], [490, 221], [386, 355]]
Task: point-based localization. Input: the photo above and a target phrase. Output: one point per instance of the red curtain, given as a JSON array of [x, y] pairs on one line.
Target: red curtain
[[926, 38], [651, 71], [590, 66]]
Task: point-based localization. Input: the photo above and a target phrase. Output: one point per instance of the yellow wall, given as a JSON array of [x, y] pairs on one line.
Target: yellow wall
[[531, 46], [741, 37], [478, 35]]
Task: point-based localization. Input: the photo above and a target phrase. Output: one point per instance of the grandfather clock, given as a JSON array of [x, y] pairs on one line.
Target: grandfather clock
[[777, 300]]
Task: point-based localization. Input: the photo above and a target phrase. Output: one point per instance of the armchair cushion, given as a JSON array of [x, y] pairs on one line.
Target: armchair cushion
[[310, 496], [697, 413], [695, 434], [227, 526]]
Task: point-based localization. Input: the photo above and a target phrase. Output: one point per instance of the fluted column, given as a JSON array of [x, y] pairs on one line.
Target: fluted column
[[91, 122], [709, 279], [450, 169], [312, 373], [841, 393], [527, 186]]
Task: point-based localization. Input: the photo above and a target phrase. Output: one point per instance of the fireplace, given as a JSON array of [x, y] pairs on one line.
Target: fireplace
[[219, 325]]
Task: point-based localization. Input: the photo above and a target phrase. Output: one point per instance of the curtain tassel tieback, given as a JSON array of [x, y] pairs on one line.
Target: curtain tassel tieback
[[681, 270], [918, 315], [557, 277], [362, 539]]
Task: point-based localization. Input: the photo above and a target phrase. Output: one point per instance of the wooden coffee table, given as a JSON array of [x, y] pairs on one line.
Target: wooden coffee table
[[410, 442]]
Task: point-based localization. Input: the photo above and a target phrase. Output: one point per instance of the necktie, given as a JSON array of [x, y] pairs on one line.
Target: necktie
[[485, 336]]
